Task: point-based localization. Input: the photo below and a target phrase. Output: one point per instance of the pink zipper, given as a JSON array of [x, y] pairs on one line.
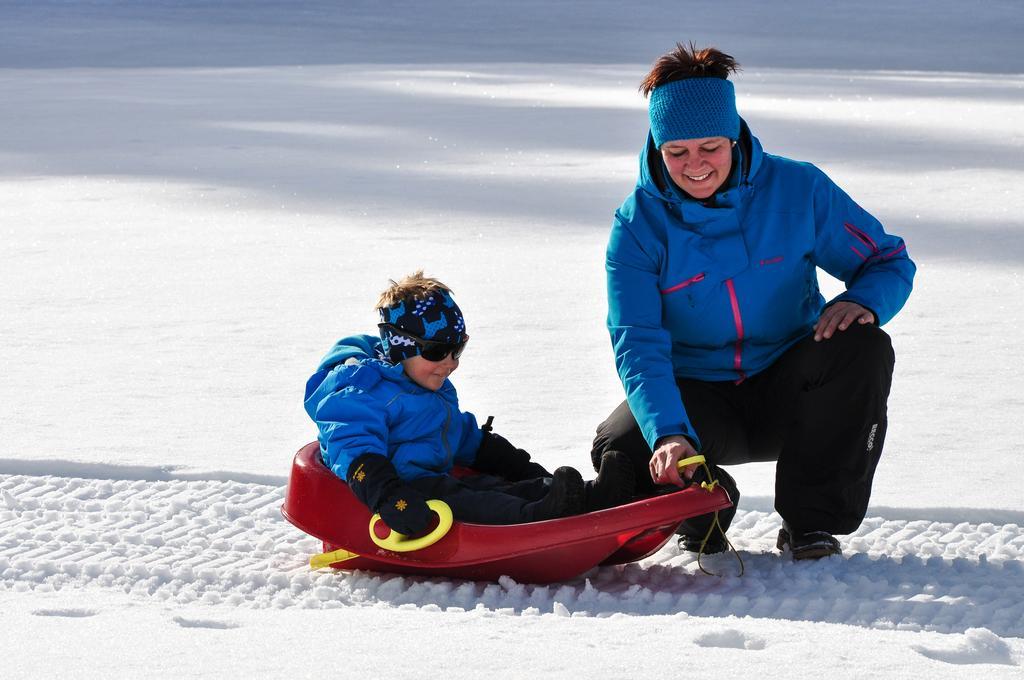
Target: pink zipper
[[876, 254], [862, 237], [894, 252], [684, 284], [738, 320]]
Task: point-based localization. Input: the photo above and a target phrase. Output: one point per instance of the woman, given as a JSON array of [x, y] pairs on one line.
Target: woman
[[722, 340]]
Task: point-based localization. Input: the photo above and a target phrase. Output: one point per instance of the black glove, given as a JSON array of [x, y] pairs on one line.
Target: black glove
[[405, 511], [496, 456], [374, 481]]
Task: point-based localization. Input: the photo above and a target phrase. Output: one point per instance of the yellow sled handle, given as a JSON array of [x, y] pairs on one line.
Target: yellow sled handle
[[686, 462], [326, 559], [698, 459], [397, 542]]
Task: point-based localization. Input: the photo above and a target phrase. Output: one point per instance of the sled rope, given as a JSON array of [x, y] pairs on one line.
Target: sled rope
[[715, 524]]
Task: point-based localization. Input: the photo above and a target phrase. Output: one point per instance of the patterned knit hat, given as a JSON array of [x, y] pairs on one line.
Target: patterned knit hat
[[436, 318], [693, 108]]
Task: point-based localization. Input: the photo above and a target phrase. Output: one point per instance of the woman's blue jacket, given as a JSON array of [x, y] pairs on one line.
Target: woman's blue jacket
[[718, 290], [362, 404]]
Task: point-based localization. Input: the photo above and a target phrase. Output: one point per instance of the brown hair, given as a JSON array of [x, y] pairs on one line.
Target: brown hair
[[688, 62], [416, 286]]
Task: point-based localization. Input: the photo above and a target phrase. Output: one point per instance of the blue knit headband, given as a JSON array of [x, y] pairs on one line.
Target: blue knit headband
[[693, 108]]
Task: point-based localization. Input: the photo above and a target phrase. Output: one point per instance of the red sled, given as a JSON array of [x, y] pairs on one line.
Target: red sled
[[320, 504]]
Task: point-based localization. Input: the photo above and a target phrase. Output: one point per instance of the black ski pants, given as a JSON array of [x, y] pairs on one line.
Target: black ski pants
[[485, 499], [819, 411]]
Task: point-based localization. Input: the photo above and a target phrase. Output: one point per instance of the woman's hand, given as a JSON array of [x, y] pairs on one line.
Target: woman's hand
[[840, 315], [668, 452]]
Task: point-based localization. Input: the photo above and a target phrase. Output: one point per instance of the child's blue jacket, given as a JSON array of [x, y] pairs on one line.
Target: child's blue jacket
[[362, 404], [719, 290]]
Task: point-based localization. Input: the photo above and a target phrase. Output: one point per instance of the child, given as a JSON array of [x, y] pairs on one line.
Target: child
[[390, 425]]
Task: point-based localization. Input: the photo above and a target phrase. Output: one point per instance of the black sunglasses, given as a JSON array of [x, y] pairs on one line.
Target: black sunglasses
[[431, 350]]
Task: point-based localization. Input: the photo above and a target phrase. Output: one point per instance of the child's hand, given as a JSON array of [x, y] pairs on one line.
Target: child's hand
[[405, 510], [374, 481]]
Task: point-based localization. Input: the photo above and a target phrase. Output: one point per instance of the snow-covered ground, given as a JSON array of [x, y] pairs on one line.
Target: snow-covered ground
[[197, 199]]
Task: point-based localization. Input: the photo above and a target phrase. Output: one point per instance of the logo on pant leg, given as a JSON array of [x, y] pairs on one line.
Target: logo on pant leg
[[871, 436]]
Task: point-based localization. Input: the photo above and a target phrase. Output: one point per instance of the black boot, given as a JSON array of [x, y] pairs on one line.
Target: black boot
[[615, 483], [565, 498], [807, 545], [715, 544], [693, 530]]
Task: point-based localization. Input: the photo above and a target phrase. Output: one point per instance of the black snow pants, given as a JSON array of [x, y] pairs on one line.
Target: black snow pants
[[485, 499], [819, 410]]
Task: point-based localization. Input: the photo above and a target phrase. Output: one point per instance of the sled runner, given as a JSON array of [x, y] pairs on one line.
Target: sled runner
[[321, 504]]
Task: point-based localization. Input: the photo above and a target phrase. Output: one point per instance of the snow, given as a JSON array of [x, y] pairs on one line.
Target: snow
[[198, 198]]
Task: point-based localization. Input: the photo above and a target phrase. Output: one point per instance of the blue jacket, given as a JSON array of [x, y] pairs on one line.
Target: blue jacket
[[719, 290], [362, 404]]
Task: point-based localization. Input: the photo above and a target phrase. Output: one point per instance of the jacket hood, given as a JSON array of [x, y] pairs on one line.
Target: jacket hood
[[654, 179], [352, 347]]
